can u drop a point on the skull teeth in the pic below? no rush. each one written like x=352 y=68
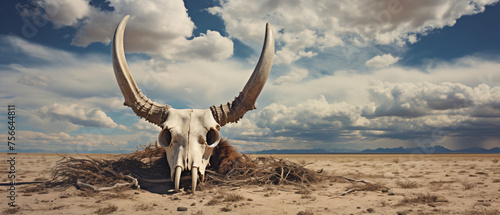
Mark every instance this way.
x=194 y=178
x=177 y=179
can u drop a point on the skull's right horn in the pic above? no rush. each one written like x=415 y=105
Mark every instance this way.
x=233 y=111
x=134 y=98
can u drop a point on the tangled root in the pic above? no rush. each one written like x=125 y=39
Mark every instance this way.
x=265 y=170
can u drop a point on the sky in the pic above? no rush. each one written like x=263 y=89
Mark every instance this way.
x=347 y=74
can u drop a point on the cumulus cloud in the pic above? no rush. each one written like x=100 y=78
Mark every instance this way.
x=79 y=143
x=297 y=74
x=380 y=61
x=60 y=12
x=404 y=111
x=143 y=125
x=304 y=28
x=210 y=45
x=418 y=99
x=66 y=13
x=156 y=28
x=78 y=115
x=48 y=138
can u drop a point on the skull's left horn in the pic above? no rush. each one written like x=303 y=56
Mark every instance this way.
x=233 y=111
x=134 y=98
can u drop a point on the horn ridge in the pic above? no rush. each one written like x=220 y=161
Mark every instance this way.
x=134 y=98
x=245 y=101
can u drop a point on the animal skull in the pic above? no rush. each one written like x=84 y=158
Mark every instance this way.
x=189 y=135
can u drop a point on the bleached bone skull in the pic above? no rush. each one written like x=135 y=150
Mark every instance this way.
x=189 y=135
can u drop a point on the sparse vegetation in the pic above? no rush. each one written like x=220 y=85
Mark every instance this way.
x=407 y=184
x=143 y=207
x=442 y=182
x=468 y=184
x=422 y=199
x=233 y=197
x=482 y=212
x=306 y=193
x=302 y=161
x=226 y=209
x=200 y=212
x=436 y=185
x=306 y=196
x=306 y=212
x=303 y=191
x=107 y=210
x=87 y=193
x=213 y=201
x=12 y=210
x=366 y=186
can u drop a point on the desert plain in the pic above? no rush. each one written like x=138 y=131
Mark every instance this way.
x=400 y=184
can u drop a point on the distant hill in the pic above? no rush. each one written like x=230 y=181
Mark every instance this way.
x=303 y=151
x=495 y=150
x=398 y=150
x=430 y=150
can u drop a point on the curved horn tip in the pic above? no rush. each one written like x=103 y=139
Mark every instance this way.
x=245 y=101
x=124 y=20
x=140 y=104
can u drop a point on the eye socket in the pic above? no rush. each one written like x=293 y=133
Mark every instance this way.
x=165 y=138
x=213 y=137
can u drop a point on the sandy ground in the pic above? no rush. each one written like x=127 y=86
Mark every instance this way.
x=453 y=184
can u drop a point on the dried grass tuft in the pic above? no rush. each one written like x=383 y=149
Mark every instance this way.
x=12 y=210
x=306 y=212
x=213 y=201
x=407 y=184
x=423 y=199
x=366 y=186
x=468 y=184
x=233 y=198
x=107 y=210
